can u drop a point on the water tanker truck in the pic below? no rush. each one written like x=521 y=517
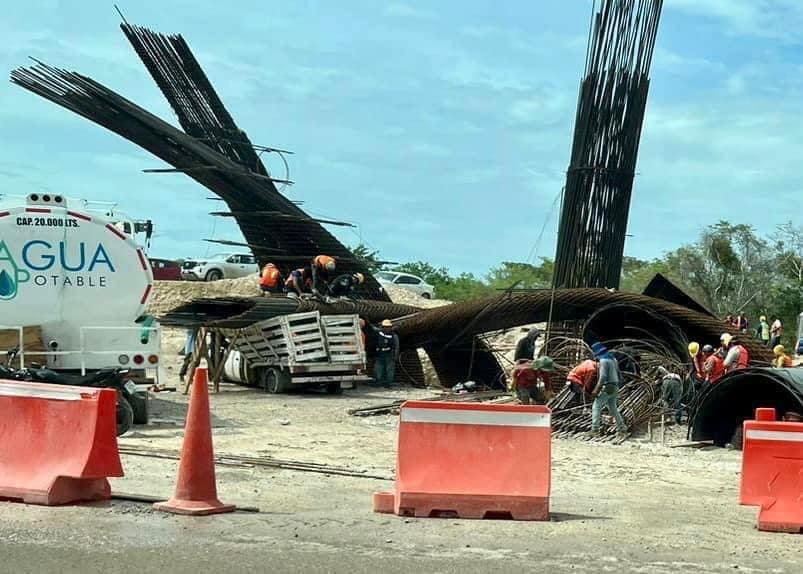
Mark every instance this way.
x=80 y=278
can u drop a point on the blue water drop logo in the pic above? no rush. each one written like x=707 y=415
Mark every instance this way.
x=7 y=285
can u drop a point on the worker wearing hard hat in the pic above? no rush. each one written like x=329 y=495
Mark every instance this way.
x=387 y=353
x=270 y=281
x=714 y=366
x=322 y=267
x=736 y=356
x=344 y=285
x=782 y=360
x=697 y=361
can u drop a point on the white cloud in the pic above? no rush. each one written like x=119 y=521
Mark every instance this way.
x=407 y=11
x=780 y=19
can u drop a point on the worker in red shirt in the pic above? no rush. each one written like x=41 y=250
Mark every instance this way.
x=582 y=378
x=713 y=366
x=532 y=380
x=698 y=361
x=271 y=279
x=736 y=356
x=322 y=266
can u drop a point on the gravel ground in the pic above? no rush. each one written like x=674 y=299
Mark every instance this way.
x=638 y=507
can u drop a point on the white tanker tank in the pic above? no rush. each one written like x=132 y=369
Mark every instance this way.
x=82 y=279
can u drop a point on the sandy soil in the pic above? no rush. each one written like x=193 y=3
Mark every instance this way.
x=639 y=507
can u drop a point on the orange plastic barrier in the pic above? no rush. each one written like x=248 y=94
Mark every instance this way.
x=772 y=472
x=471 y=461
x=58 y=443
x=196 y=487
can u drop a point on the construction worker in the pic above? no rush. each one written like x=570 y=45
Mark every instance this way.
x=713 y=366
x=698 y=362
x=387 y=352
x=298 y=282
x=344 y=285
x=525 y=347
x=270 y=280
x=671 y=392
x=764 y=331
x=782 y=360
x=737 y=356
x=582 y=378
x=606 y=391
x=776 y=332
x=322 y=266
x=532 y=382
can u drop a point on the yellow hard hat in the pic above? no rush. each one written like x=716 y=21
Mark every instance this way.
x=387 y=323
x=360 y=277
x=762 y=318
x=694 y=348
x=779 y=350
x=726 y=339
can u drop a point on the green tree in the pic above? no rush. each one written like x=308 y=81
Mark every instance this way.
x=729 y=268
x=521 y=275
x=369 y=257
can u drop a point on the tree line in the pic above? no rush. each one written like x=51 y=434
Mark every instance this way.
x=729 y=269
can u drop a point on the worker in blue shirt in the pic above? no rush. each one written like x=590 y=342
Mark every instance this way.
x=606 y=393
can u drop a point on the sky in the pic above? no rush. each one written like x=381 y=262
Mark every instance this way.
x=441 y=129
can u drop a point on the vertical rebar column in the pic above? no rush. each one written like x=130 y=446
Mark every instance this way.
x=610 y=113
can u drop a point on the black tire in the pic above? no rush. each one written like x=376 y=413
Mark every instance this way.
x=214 y=275
x=139 y=404
x=125 y=415
x=426 y=295
x=334 y=389
x=274 y=381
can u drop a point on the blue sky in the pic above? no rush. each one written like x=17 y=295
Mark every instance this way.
x=442 y=129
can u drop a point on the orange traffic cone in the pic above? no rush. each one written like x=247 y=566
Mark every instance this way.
x=196 y=491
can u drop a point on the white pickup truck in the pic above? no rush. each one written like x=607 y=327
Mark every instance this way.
x=300 y=349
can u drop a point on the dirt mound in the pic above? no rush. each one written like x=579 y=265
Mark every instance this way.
x=168 y=295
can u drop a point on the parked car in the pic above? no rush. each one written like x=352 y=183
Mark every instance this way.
x=223 y=266
x=406 y=281
x=166 y=270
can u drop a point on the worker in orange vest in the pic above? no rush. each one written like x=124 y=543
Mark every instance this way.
x=271 y=279
x=321 y=267
x=737 y=356
x=713 y=367
x=582 y=378
x=782 y=360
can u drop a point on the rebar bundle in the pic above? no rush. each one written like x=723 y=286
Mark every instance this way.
x=607 y=130
x=214 y=151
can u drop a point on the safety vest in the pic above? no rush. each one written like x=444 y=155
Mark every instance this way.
x=784 y=362
x=744 y=358
x=321 y=261
x=270 y=276
x=717 y=368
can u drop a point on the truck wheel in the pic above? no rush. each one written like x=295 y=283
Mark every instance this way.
x=125 y=415
x=275 y=381
x=334 y=389
x=426 y=295
x=214 y=275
